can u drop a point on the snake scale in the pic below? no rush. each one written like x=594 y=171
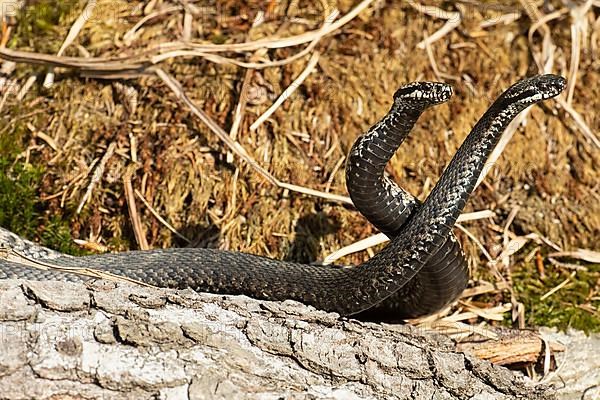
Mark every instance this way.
x=421 y=270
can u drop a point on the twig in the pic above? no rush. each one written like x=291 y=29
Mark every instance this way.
x=99 y=65
x=485 y=287
x=159 y=218
x=13 y=255
x=578 y=14
x=235 y=146
x=380 y=238
x=453 y=20
x=334 y=171
x=579 y=121
x=136 y=222
x=559 y=286
x=98 y=172
x=476 y=241
x=71 y=36
x=504 y=139
x=240 y=109
x=131 y=34
x=570 y=266
x=544 y=61
x=252 y=65
x=579 y=254
x=25 y=88
x=268 y=43
x=312 y=63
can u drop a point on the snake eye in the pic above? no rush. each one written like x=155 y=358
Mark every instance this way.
x=427 y=92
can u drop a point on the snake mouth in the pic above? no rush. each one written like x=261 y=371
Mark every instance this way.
x=430 y=93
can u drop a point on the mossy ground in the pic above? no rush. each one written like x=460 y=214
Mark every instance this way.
x=549 y=171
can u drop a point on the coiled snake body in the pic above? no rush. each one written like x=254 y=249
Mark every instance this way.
x=421 y=270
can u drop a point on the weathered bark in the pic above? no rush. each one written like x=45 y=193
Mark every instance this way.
x=577 y=376
x=106 y=340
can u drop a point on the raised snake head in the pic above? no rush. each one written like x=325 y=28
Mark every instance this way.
x=423 y=94
x=533 y=90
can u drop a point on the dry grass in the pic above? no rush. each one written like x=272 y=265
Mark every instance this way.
x=545 y=183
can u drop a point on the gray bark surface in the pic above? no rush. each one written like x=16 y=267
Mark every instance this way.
x=116 y=341
x=578 y=374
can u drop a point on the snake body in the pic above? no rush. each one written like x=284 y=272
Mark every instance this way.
x=419 y=271
x=388 y=206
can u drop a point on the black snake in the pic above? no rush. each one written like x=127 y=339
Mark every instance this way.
x=421 y=270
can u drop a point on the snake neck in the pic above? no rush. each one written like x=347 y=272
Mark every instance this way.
x=376 y=196
x=448 y=198
x=375 y=148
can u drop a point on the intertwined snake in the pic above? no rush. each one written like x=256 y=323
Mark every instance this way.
x=421 y=270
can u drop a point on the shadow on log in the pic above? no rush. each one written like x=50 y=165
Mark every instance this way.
x=107 y=340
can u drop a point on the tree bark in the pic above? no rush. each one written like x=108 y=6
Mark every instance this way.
x=117 y=341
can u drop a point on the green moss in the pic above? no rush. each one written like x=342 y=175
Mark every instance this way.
x=18 y=202
x=57 y=236
x=561 y=309
x=40 y=25
x=21 y=210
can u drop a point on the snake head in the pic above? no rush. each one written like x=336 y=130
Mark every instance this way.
x=423 y=94
x=532 y=90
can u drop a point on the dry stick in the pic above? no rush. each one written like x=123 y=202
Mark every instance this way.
x=136 y=222
x=92 y=64
x=39 y=134
x=138 y=62
x=6 y=32
x=125 y=67
x=485 y=287
x=334 y=171
x=287 y=93
x=25 y=88
x=217 y=59
x=235 y=146
x=4 y=98
x=476 y=241
x=514 y=245
x=159 y=218
x=577 y=27
x=71 y=36
x=505 y=19
x=502 y=143
x=97 y=175
x=453 y=20
x=438 y=74
x=240 y=109
x=20 y=258
x=579 y=121
x=382 y=238
x=579 y=254
x=267 y=43
x=540 y=22
x=559 y=264
x=473 y=311
x=559 y=286
x=574 y=62
x=131 y=34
